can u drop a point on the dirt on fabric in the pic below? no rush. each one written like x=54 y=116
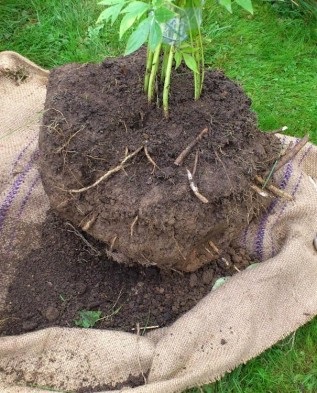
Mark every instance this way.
x=96 y=115
x=70 y=273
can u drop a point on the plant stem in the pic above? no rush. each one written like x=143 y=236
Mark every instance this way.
x=164 y=62
x=149 y=60
x=168 y=79
x=197 y=81
x=202 y=61
x=154 y=68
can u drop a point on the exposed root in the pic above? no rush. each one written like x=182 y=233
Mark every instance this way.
x=224 y=166
x=178 y=246
x=274 y=190
x=179 y=160
x=77 y=233
x=150 y=159
x=147 y=261
x=90 y=222
x=113 y=241
x=106 y=175
x=214 y=247
x=61 y=148
x=195 y=188
x=132 y=225
x=195 y=163
x=209 y=252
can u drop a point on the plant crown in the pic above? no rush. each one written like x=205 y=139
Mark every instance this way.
x=172 y=31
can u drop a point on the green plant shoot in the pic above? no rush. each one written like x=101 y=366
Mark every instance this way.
x=88 y=319
x=171 y=29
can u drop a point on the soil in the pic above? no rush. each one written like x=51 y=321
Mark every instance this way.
x=97 y=114
x=70 y=273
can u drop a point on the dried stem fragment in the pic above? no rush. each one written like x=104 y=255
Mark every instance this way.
x=146 y=327
x=259 y=191
x=179 y=160
x=274 y=190
x=291 y=153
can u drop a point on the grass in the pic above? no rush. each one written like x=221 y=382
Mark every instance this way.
x=273 y=56
x=289 y=367
x=275 y=59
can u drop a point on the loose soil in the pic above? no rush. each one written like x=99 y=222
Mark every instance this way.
x=70 y=273
x=96 y=115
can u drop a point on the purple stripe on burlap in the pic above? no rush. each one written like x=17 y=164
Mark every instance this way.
x=259 y=238
x=21 y=209
x=23 y=151
x=305 y=154
x=9 y=199
x=258 y=243
x=246 y=231
x=293 y=193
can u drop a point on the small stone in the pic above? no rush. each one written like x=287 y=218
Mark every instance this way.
x=28 y=326
x=223 y=341
x=193 y=280
x=51 y=313
x=160 y=290
x=208 y=276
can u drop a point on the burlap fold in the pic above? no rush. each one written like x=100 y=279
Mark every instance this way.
x=232 y=324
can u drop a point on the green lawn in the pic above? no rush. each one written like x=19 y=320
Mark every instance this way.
x=273 y=56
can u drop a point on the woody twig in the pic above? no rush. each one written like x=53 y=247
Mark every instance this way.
x=179 y=160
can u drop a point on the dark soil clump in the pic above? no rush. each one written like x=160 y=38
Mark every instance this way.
x=97 y=115
x=70 y=273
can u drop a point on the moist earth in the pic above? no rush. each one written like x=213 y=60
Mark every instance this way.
x=70 y=273
x=142 y=206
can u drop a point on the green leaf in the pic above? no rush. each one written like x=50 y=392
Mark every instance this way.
x=226 y=4
x=246 y=4
x=126 y=23
x=190 y=62
x=88 y=319
x=136 y=8
x=110 y=13
x=155 y=36
x=110 y=2
x=138 y=37
x=163 y=14
x=178 y=59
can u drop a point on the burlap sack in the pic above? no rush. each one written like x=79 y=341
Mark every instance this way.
x=234 y=323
